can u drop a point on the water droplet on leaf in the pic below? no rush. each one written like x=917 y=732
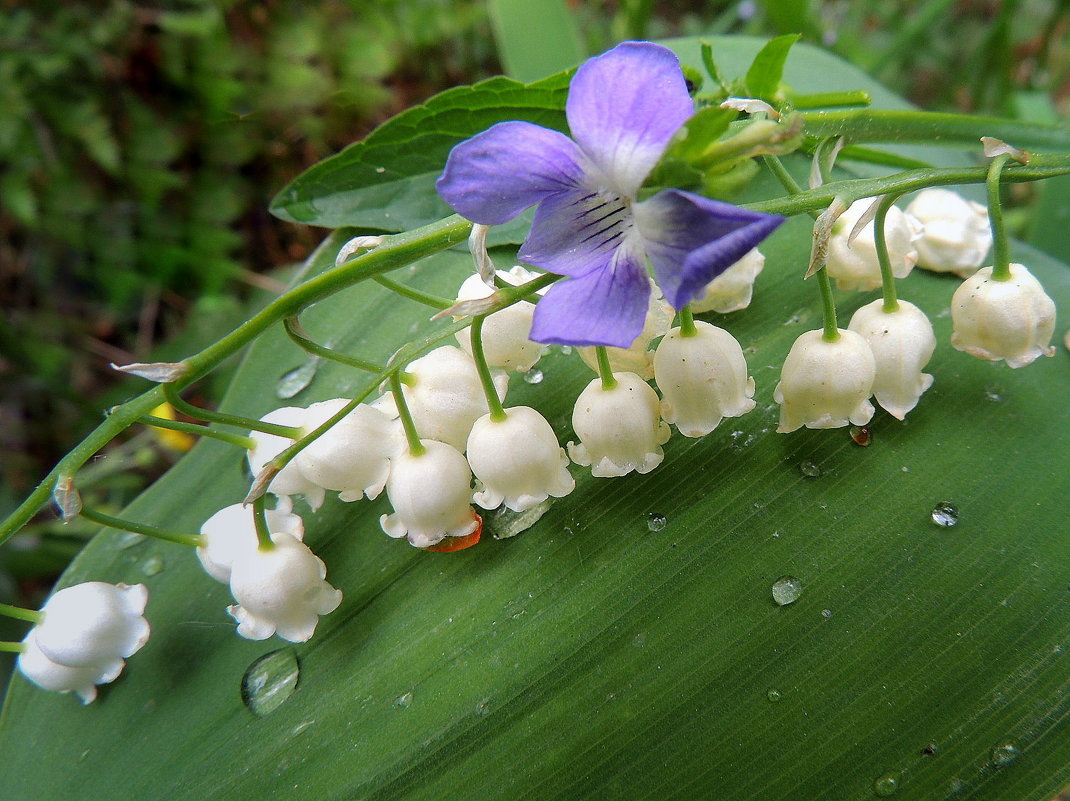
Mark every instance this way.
x=289 y=384
x=534 y=376
x=152 y=566
x=270 y=680
x=773 y=695
x=826 y=613
x=809 y=469
x=503 y=522
x=1005 y=754
x=403 y=701
x=945 y=514
x=786 y=590
x=128 y=539
x=886 y=785
x=656 y=522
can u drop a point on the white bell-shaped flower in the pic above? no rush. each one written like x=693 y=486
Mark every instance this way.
x=353 y=456
x=1003 y=320
x=290 y=480
x=638 y=358
x=902 y=343
x=620 y=429
x=431 y=494
x=855 y=266
x=955 y=236
x=702 y=378
x=281 y=591
x=230 y=533
x=732 y=289
x=94 y=624
x=518 y=460
x=444 y=395
x=505 y=333
x=826 y=384
x=49 y=675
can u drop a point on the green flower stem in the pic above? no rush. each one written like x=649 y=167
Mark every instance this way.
x=195 y=540
x=873 y=125
x=497 y=413
x=605 y=370
x=1001 y=248
x=857 y=97
x=891 y=303
x=13 y=647
x=426 y=298
x=198 y=430
x=871 y=155
x=196 y=412
x=412 y=436
x=776 y=166
x=300 y=338
x=397 y=251
x=812 y=200
x=828 y=306
x=17 y=612
x=687 y=322
x=263 y=533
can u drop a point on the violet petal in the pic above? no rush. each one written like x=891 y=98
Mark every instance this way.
x=575 y=232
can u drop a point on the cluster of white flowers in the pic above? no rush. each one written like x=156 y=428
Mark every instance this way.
x=825 y=384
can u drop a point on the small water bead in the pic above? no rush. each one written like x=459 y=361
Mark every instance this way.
x=809 y=469
x=270 y=680
x=566 y=350
x=1005 y=754
x=861 y=435
x=403 y=701
x=152 y=566
x=993 y=395
x=534 y=376
x=292 y=382
x=656 y=522
x=886 y=785
x=945 y=514
x=786 y=590
x=773 y=695
x=826 y=613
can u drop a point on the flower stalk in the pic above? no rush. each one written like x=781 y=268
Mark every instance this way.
x=605 y=369
x=198 y=430
x=263 y=532
x=18 y=613
x=1001 y=249
x=297 y=335
x=196 y=412
x=412 y=437
x=497 y=412
x=195 y=540
x=891 y=303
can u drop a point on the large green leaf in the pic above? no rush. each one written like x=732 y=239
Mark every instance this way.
x=595 y=657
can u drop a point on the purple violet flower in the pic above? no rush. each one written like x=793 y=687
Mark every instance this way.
x=623 y=109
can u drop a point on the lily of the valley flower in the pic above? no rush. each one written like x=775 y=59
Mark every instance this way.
x=902 y=342
x=230 y=533
x=505 y=332
x=638 y=357
x=854 y=265
x=280 y=591
x=431 y=493
x=956 y=235
x=826 y=384
x=49 y=675
x=732 y=289
x=623 y=109
x=703 y=379
x=1009 y=320
x=290 y=480
x=620 y=429
x=518 y=460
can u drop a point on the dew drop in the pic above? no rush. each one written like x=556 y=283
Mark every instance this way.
x=786 y=590
x=861 y=435
x=809 y=469
x=1004 y=754
x=534 y=376
x=566 y=350
x=152 y=566
x=993 y=395
x=656 y=522
x=128 y=539
x=945 y=514
x=270 y=680
x=403 y=701
x=826 y=613
x=483 y=708
x=773 y=695
x=886 y=785
x=289 y=384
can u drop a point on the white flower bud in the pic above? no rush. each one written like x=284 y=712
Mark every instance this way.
x=702 y=378
x=826 y=384
x=620 y=429
x=1003 y=320
x=49 y=675
x=732 y=289
x=230 y=533
x=855 y=266
x=956 y=235
x=638 y=358
x=280 y=591
x=518 y=460
x=431 y=494
x=445 y=396
x=94 y=624
x=902 y=343
x=505 y=332
x=353 y=456
x=290 y=480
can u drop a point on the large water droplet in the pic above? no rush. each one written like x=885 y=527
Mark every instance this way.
x=129 y=539
x=773 y=695
x=826 y=613
x=886 y=785
x=786 y=590
x=1005 y=754
x=809 y=469
x=483 y=708
x=152 y=566
x=289 y=384
x=403 y=701
x=945 y=514
x=534 y=376
x=270 y=680
x=503 y=522
x=656 y=522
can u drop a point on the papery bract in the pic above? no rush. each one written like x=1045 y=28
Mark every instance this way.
x=231 y=532
x=826 y=384
x=855 y=265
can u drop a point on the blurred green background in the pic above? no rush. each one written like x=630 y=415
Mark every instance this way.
x=140 y=144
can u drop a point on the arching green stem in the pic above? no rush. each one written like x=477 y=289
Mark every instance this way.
x=1001 y=249
x=605 y=370
x=687 y=322
x=236 y=420
x=497 y=413
x=828 y=307
x=301 y=339
x=891 y=303
x=145 y=529
x=426 y=298
x=263 y=533
x=198 y=431
x=412 y=436
x=17 y=612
